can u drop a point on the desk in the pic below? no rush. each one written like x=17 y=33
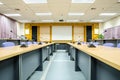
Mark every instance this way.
x=19 y=63
x=100 y=63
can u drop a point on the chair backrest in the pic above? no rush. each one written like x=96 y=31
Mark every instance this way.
x=96 y=43
x=7 y=44
x=34 y=42
x=109 y=44
x=29 y=43
x=118 y=45
x=23 y=43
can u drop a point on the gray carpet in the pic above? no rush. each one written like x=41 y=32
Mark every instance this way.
x=59 y=68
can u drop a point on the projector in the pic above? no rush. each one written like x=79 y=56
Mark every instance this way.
x=61 y=20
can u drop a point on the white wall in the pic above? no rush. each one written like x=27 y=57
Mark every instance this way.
x=111 y=23
x=20 y=29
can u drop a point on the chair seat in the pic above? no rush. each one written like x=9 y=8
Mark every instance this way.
x=7 y=44
x=29 y=43
x=118 y=45
x=109 y=44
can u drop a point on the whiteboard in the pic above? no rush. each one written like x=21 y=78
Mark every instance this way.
x=61 y=32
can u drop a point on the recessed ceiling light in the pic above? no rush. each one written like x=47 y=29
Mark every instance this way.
x=1 y=3
x=75 y=14
x=47 y=20
x=96 y=21
x=43 y=14
x=118 y=1
x=72 y=20
x=83 y=1
x=107 y=14
x=12 y=14
x=35 y=1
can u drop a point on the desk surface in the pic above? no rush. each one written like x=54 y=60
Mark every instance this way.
x=8 y=52
x=108 y=55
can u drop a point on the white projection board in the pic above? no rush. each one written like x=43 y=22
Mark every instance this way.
x=61 y=32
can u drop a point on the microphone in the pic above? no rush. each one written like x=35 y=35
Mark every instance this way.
x=91 y=45
x=40 y=43
x=79 y=43
x=23 y=45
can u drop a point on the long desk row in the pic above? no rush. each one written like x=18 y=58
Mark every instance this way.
x=19 y=63
x=100 y=63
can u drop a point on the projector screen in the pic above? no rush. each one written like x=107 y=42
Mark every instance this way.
x=61 y=32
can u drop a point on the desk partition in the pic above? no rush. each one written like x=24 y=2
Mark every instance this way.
x=96 y=67
x=8 y=70
x=20 y=64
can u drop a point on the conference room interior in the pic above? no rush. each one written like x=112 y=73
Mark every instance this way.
x=59 y=39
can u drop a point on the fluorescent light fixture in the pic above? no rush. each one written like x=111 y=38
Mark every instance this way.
x=96 y=20
x=83 y=1
x=43 y=14
x=12 y=14
x=35 y=1
x=1 y=3
x=72 y=20
x=47 y=20
x=107 y=14
x=75 y=14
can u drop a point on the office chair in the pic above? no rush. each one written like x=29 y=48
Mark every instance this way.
x=118 y=45
x=7 y=44
x=109 y=44
x=96 y=43
x=23 y=43
x=29 y=43
x=35 y=42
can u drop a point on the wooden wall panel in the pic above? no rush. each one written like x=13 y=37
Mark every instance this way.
x=95 y=26
x=78 y=33
x=28 y=27
x=44 y=33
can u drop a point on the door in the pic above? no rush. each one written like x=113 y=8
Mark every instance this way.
x=34 y=33
x=88 y=33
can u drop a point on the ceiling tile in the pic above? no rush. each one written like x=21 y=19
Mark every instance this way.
x=60 y=9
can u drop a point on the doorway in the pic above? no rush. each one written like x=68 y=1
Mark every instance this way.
x=34 y=33
x=88 y=33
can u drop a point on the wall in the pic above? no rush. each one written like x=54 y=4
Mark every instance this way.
x=44 y=33
x=78 y=33
x=111 y=23
x=20 y=29
x=75 y=34
x=6 y=26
